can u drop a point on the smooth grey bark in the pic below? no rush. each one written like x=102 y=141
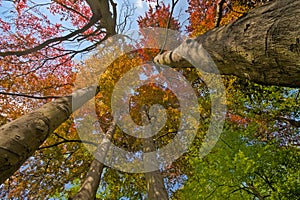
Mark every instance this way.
x=154 y=180
x=20 y=138
x=263 y=45
x=155 y=183
x=89 y=187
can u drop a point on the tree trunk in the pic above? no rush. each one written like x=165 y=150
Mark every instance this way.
x=20 y=138
x=154 y=180
x=262 y=46
x=89 y=187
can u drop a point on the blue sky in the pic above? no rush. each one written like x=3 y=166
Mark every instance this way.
x=142 y=7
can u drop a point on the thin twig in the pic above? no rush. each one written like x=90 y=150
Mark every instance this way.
x=168 y=25
x=29 y=96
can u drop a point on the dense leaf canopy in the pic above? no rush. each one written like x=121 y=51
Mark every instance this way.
x=42 y=46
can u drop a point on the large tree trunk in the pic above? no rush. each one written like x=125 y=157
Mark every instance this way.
x=89 y=187
x=20 y=138
x=154 y=180
x=262 y=46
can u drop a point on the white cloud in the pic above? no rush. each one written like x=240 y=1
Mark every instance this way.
x=142 y=6
x=139 y=4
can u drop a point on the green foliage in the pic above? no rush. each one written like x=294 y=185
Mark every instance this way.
x=242 y=167
x=116 y=185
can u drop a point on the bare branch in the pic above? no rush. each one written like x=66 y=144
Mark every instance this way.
x=290 y=121
x=174 y=2
x=68 y=141
x=128 y=11
x=29 y=96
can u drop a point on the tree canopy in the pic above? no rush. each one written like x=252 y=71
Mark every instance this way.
x=62 y=56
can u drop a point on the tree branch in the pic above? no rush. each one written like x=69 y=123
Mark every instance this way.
x=29 y=96
x=290 y=121
x=67 y=141
x=57 y=40
x=168 y=24
x=219 y=13
x=100 y=10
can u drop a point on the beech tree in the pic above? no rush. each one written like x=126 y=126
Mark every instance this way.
x=261 y=46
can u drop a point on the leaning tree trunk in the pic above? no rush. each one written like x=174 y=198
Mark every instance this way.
x=89 y=187
x=263 y=46
x=20 y=138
